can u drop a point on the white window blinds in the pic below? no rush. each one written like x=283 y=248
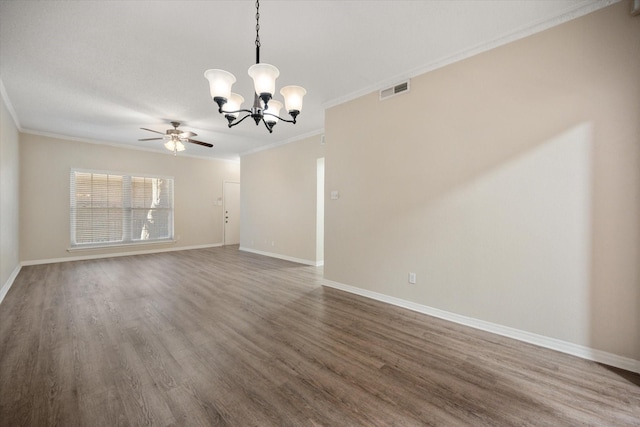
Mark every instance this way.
x=108 y=208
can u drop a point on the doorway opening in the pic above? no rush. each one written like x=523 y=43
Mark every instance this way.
x=320 y=213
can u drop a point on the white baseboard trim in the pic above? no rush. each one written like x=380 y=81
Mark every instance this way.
x=119 y=254
x=5 y=288
x=279 y=256
x=581 y=351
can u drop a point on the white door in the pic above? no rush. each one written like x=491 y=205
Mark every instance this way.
x=231 y=192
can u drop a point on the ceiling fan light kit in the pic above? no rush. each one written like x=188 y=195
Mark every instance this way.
x=174 y=146
x=264 y=109
x=175 y=138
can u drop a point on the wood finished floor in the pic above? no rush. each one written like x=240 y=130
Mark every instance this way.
x=221 y=337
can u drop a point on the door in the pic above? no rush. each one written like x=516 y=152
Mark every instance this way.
x=231 y=193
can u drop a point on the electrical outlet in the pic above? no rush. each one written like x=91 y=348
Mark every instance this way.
x=412 y=278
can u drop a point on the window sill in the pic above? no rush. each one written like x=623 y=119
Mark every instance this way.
x=119 y=245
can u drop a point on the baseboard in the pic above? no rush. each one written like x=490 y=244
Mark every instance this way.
x=119 y=254
x=5 y=288
x=279 y=256
x=583 y=352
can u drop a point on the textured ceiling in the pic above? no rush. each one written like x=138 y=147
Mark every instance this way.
x=101 y=70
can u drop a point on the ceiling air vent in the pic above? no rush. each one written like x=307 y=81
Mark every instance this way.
x=394 y=90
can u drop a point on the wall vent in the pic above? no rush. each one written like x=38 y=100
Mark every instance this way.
x=394 y=90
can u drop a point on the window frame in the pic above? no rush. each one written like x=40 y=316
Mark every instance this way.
x=127 y=210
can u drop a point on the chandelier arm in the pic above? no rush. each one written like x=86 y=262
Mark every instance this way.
x=280 y=118
x=239 y=121
x=243 y=110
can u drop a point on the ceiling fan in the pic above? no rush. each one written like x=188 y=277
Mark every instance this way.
x=175 y=138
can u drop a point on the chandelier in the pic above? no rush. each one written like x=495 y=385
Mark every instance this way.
x=264 y=109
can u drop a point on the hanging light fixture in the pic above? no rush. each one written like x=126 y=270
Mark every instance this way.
x=264 y=109
x=174 y=144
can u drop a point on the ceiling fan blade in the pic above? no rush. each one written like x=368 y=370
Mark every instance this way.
x=154 y=131
x=149 y=139
x=206 y=144
x=187 y=134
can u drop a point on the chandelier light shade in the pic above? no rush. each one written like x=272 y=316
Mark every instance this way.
x=293 y=98
x=272 y=112
x=264 y=79
x=234 y=103
x=220 y=83
x=264 y=109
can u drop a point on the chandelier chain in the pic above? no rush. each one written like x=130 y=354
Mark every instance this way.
x=257 y=23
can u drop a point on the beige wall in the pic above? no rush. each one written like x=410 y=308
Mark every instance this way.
x=508 y=182
x=9 y=200
x=278 y=200
x=45 y=166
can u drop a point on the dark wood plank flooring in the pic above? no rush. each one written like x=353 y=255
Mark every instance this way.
x=221 y=337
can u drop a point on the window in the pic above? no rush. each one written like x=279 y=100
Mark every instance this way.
x=113 y=209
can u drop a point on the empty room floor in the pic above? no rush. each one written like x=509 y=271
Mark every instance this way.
x=223 y=337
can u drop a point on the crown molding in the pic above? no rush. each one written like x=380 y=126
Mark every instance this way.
x=7 y=102
x=123 y=146
x=283 y=142
x=570 y=14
